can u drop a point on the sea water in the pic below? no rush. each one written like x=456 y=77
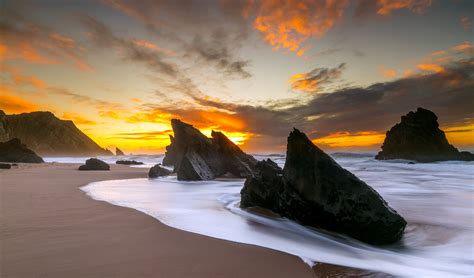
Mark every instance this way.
x=436 y=199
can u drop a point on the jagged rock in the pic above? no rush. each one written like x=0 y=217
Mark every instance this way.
x=118 y=151
x=15 y=151
x=94 y=164
x=45 y=134
x=129 y=162
x=418 y=137
x=158 y=171
x=197 y=157
x=5 y=166
x=314 y=190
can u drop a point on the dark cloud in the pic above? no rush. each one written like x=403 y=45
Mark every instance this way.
x=374 y=108
x=220 y=26
x=316 y=79
x=103 y=37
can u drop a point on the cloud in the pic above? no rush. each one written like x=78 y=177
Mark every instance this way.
x=217 y=52
x=387 y=72
x=15 y=104
x=103 y=37
x=343 y=112
x=288 y=24
x=22 y=39
x=386 y=7
x=78 y=119
x=431 y=67
x=465 y=47
x=175 y=22
x=314 y=80
x=465 y=22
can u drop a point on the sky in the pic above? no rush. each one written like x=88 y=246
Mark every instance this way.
x=343 y=72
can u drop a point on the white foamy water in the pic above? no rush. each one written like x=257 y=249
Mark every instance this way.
x=436 y=199
x=148 y=160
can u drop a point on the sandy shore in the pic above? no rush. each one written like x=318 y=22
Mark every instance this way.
x=50 y=228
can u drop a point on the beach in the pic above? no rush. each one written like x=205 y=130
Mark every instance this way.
x=50 y=228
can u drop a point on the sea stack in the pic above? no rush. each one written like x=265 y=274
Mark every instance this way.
x=197 y=157
x=315 y=191
x=418 y=137
x=118 y=152
x=15 y=151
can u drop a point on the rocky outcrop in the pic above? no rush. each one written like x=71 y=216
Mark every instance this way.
x=5 y=166
x=129 y=162
x=45 y=134
x=118 y=151
x=315 y=191
x=197 y=157
x=158 y=171
x=15 y=151
x=93 y=164
x=418 y=137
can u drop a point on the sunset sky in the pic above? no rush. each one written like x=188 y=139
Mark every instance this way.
x=341 y=71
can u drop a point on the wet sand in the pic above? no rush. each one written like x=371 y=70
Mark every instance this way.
x=50 y=228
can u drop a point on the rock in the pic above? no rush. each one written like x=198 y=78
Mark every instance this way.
x=94 y=164
x=129 y=162
x=118 y=151
x=197 y=157
x=418 y=137
x=45 y=134
x=15 y=151
x=315 y=191
x=5 y=166
x=158 y=171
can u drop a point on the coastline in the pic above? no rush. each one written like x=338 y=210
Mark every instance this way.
x=51 y=228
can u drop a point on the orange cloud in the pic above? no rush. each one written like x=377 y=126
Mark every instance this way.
x=78 y=119
x=288 y=24
x=431 y=68
x=301 y=82
x=387 y=72
x=464 y=47
x=14 y=104
x=386 y=7
x=345 y=139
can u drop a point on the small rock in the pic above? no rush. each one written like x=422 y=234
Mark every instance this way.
x=5 y=166
x=129 y=162
x=94 y=164
x=158 y=171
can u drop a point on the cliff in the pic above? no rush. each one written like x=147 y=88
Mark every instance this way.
x=48 y=135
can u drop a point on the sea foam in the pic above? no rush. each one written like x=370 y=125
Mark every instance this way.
x=436 y=199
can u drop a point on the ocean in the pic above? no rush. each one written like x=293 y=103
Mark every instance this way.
x=436 y=199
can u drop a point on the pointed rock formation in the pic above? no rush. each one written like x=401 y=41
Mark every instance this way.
x=94 y=164
x=418 y=137
x=118 y=151
x=45 y=134
x=15 y=151
x=314 y=190
x=197 y=157
x=158 y=171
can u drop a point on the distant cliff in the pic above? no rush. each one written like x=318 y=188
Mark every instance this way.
x=45 y=134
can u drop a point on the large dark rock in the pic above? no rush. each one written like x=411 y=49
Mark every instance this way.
x=15 y=151
x=45 y=134
x=158 y=171
x=418 y=137
x=197 y=157
x=94 y=164
x=315 y=191
x=129 y=162
x=5 y=166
